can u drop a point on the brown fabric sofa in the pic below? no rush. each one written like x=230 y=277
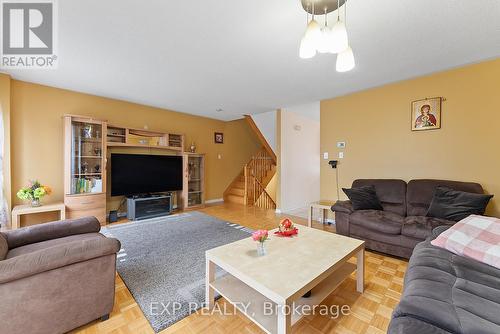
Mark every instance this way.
x=402 y=224
x=55 y=277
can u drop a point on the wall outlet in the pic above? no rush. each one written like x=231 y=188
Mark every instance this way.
x=219 y=156
x=341 y=144
x=325 y=156
x=341 y=155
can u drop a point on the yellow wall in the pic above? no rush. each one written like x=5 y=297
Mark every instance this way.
x=376 y=126
x=5 y=110
x=37 y=147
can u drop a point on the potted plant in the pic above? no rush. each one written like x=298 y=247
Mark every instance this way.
x=33 y=192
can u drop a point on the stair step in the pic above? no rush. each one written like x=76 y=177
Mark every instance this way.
x=237 y=191
x=235 y=199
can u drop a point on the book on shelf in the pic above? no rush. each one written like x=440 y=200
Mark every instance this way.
x=83 y=185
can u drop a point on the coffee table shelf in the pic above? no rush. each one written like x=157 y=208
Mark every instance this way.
x=238 y=293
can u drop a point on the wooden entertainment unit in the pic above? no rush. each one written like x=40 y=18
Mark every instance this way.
x=86 y=142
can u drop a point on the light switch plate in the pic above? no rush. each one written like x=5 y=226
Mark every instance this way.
x=341 y=144
x=341 y=155
x=325 y=155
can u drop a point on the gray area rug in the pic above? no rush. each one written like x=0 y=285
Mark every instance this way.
x=162 y=261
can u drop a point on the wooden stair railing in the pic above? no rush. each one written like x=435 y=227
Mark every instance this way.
x=261 y=197
x=254 y=173
x=261 y=137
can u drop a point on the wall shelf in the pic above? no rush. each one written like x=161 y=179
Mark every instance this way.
x=139 y=138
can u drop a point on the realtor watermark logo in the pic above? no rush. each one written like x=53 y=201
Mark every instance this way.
x=29 y=34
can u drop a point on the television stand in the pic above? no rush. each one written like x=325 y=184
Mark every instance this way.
x=149 y=206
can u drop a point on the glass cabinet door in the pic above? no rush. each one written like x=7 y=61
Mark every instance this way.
x=195 y=180
x=86 y=157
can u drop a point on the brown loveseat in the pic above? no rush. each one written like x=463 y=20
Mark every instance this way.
x=55 y=277
x=402 y=224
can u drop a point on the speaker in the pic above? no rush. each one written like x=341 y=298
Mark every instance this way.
x=113 y=216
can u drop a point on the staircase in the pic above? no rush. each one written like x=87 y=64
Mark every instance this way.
x=249 y=187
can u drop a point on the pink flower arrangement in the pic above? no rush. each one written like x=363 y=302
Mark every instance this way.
x=260 y=235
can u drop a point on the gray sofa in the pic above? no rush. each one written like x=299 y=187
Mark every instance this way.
x=55 y=277
x=447 y=293
x=402 y=224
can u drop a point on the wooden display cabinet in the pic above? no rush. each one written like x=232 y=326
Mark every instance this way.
x=193 y=194
x=85 y=167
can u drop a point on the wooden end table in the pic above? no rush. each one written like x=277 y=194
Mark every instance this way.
x=280 y=279
x=19 y=210
x=324 y=206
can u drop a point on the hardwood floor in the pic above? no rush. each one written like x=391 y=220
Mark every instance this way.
x=370 y=311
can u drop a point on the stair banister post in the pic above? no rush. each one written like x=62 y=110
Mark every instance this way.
x=245 y=195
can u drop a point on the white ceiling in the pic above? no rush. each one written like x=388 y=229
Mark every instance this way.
x=196 y=56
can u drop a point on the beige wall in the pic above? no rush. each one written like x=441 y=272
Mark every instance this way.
x=376 y=126
x=299 y=158
x=5 y=111
x=37 y=148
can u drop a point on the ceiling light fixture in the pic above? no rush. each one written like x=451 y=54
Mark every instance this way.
x=345 y=59
x=327 y=39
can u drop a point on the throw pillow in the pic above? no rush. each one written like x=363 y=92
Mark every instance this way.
x=476 y=237
x=363 y=198
x=456 y=205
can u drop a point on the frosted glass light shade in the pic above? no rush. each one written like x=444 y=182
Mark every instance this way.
x=306 y=50
x=313 y=34
x=338 y=40
x=326 y=35
x=345 y=60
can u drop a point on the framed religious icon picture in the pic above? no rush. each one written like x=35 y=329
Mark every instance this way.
x=426 y=114
x=219 y=138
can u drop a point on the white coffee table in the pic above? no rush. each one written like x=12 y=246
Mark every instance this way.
x=313 y=261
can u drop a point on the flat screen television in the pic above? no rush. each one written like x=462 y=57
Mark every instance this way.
x=135 y=174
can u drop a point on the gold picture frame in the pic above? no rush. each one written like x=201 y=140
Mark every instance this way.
x=426 y=114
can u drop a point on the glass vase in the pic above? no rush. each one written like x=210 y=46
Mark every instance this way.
x=261 y=249
x=35 y=202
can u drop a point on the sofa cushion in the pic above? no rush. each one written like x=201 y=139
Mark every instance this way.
x=451 y=292
x=399 y=240
x=420 y=193
x=391 y=193
x=421 y=227
x=375 y=220
x=456 y=205
x=363 y=198
x=394 y=244
x=51 y=243
x=4 y=247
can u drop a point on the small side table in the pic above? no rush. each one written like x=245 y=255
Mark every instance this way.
x=19 y=210
x=324 y=206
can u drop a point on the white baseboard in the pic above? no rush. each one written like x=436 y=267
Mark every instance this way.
x=216 y=200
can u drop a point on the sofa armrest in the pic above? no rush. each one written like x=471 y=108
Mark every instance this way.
x=54 y=230
x=56 y=257
x=343 y=206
